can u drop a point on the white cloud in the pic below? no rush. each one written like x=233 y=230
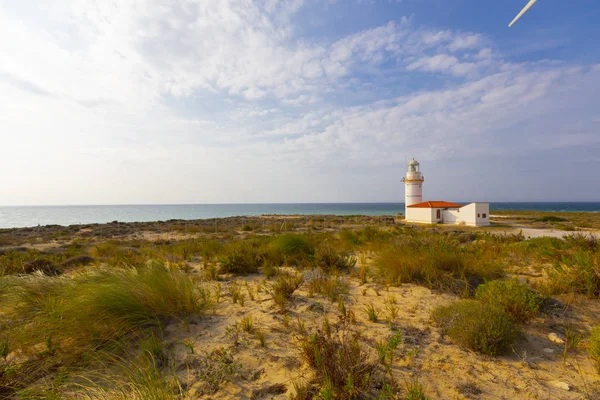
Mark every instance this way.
x=443 y=63
x=227 y=101
x=469 y=41
x=491 y=115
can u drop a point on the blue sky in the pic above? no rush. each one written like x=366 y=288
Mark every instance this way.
x=232 y=101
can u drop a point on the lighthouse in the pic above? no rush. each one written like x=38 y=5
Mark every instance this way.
x=438 y=212
x=413 y=185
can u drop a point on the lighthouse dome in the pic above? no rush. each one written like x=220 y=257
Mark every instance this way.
x=413 y=162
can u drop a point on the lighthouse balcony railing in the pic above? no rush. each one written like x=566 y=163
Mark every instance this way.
x=415 y=179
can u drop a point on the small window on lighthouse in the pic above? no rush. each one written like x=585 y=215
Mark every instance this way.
x=484 y=215
x=478 y=215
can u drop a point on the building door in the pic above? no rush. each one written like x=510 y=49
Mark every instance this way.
x=439 y=214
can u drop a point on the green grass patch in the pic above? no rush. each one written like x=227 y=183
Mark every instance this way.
x=550 y=218
x=295 y=249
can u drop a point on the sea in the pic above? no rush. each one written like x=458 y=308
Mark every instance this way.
x=28 y=216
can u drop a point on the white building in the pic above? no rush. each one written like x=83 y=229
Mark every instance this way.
x=438 y=212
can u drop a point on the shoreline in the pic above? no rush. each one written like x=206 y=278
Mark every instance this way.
x=528 y=223
x=32 y=216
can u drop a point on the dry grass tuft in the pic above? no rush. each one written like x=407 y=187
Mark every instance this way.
x=438 y=263
x=65 y=323
x=283 y=289
x=340 y=362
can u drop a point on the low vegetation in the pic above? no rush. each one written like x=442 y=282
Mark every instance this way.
x=341 y=363
x=296 y=249
x=550 y=218
x=61 y=324
x=108 y=312
x=328 y=285
x=577 y=272
x=594 y=348
x=283 y=289
x=477 y=326
x=516 y=298
x=438 y=262
x=244 y=257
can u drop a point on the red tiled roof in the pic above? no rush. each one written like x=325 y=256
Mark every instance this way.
x=435 y=204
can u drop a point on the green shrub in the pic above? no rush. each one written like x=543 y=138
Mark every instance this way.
x=477 y=326
x=244 y=257
x=291 y=244
x=594 y=349
x=294 y=248
x=515 y=298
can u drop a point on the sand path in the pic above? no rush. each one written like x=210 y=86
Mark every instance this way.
x=529 y=232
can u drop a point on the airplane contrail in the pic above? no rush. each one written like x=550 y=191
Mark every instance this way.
x=523 y=11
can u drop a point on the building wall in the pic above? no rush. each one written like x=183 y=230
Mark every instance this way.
x=475 y=214
x=451 y=216
x=421 y=215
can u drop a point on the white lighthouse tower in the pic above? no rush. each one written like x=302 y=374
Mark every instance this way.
x=413 y=185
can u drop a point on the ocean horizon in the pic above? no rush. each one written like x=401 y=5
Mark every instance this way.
x=27 y=216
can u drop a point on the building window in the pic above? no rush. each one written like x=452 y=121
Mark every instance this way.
x=478 y=215
x=439 y=214
x=484 y=215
